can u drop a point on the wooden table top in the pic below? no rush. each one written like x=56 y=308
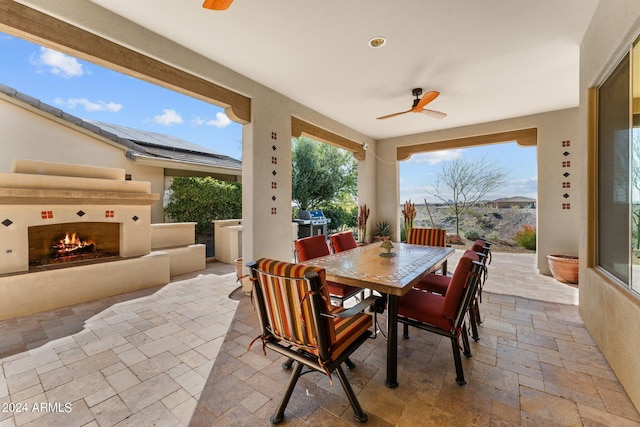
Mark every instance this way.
x=395 y=275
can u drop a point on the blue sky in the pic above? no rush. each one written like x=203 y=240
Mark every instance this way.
x=418 y=174
x=95 y=93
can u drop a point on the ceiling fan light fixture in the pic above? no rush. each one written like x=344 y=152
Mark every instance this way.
x=377 y=42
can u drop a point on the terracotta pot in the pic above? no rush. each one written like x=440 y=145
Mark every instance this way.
x=238 y=265
x=564 y=268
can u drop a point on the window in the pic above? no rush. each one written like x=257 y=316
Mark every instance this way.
x=618 y=163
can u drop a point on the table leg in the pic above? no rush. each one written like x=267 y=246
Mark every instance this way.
x=392 y=342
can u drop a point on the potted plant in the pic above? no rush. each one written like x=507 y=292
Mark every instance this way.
x=381 y=231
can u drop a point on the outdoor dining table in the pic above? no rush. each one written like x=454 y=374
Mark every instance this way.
x=392 y=274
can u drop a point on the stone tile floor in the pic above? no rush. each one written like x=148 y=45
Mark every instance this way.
x=177 y=355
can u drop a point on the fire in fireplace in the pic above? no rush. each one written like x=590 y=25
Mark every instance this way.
x=72 y=242
x=72 y=246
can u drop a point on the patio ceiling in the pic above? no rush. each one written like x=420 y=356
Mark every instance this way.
x=490 y=60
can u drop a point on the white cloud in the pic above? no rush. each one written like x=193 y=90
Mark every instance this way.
x=72 y=103
x=436 y=157
x=168 y=117
x=220 y=121
x=59 y=64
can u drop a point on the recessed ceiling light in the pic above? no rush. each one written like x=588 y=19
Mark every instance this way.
x=377 y=42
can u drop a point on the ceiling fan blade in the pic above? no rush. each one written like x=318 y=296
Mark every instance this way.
x=434 y=114
x=217 y=4
x=388 y=116
x=427 y=98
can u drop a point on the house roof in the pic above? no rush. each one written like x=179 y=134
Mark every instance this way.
x=515 y=199
x=142 y=146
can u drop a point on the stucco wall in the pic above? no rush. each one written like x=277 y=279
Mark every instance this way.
x=557 y=228
x=609 y=311
x=27 y=134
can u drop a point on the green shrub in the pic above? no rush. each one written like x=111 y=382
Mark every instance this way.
x=526 y=237
x=472 y=234
x=497 y=215
x=202 y=200
x=341 y=215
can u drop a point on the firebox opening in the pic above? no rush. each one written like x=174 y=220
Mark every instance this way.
x=72 y=242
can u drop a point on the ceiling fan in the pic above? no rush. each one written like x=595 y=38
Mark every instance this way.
x=418 y=105
x=217 y=4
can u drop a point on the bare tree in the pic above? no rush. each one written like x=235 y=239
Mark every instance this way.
x=635 y=180
x=461 y=183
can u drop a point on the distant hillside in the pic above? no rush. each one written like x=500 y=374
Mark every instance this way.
x=497 y=225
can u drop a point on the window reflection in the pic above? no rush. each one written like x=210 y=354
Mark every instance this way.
x=635 y=167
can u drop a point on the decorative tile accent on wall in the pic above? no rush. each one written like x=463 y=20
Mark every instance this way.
x=81 y=213
x=274 y=184
x=7 y=222
x=135 y=218
x=109 y=214
x=47 y=214
x=566 y=164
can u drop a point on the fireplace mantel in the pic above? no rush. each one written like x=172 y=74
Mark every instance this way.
x=32 y=196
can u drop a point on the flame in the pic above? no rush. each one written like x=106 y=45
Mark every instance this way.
x=70 y=243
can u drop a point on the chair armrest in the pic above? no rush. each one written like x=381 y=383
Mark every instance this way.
x=350 y=312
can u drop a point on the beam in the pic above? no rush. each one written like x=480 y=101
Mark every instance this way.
x=300 y=127
x=524 y=137
x=32 y=25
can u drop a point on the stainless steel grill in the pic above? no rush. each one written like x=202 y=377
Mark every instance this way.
x=312 y=223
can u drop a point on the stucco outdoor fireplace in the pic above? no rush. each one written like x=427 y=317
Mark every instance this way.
x=71 y=233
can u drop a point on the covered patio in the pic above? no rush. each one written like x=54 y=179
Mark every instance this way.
x=163 y=357
x=183 y=357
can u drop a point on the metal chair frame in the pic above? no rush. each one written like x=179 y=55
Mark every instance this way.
x=323 y=362
x=458 y=327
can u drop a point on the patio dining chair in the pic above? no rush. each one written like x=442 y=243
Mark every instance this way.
x=444 y=315
x=297 y=321
x=343 y=241
x=428 y=237
x=316 y=246
x=439 y=284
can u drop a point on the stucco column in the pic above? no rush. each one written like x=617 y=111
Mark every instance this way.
x=388 y=189
x=266 y=182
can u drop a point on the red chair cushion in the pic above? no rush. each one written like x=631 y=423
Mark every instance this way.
x=342 y=291
x=456 y=287
x=439 y=283
x=343 y=241
x=424 y=307
x=432 y=282
x=312 y=247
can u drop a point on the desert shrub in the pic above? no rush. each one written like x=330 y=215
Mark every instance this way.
x=472 y=234
x=497 y=215
x=526 y=237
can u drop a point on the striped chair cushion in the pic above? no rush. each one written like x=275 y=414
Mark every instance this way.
x=427 y=236
x=289 y=308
